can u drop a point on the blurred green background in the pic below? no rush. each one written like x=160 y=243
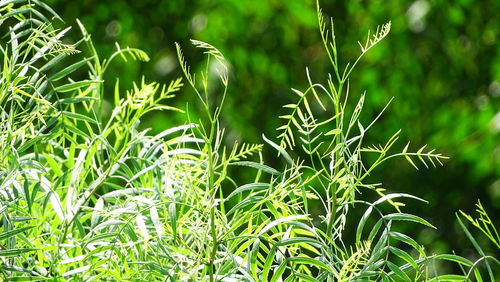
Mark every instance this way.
x=441 y=62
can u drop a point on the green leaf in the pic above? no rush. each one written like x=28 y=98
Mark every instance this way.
x=404 y=255
x=54 y=165
x=411 y=161
x=334 y=132
x=75 y=100
x=449 y=277
x=77 y=270
x=305 y=277
x=454 y=258
x=394 y=268
x=279 y=272
x=258 y=166
x=408 y=217
x=11 y=233
x=279 y=149
x=28 y=278
x=307 y=260
x=15 y=252
x=280 y=221
x=75 y=85
x=77 y=116
x=69 y=69
x=248 y=187
x=47 y=7
x=408 y=240
x=173 y=218
x=362 y=223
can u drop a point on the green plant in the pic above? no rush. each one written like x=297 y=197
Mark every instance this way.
x=91 y=196
x=486 y=226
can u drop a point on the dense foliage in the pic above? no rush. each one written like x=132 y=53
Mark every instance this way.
x=442 y=65
x=88 y=194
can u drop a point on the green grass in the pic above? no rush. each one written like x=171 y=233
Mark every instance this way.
x=87 y=194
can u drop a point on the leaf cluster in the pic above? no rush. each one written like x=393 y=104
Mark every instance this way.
x=87 y=196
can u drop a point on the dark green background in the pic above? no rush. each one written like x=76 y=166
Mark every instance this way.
x=441 y=62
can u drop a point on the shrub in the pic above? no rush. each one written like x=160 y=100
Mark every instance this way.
x=87 y=195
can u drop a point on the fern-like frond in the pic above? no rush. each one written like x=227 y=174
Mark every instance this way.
x=382 y=150
x=209 y=49
x=222 y=66
x=241 y=152
x=328 y=40
x=184 y=66
x=300 y=117
x=372 y=40
x=353 y=264
x=134 y=53
x=424 y=157
x=484 y=223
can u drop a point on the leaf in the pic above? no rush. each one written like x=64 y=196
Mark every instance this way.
x=311 y=261
x=279 y=149
x=394 y=268
x=53 y=164
x=77 y=270
x=404 y=255
x=182 y=128
x=153 y=212
x=55 y=202
x=290 y=241
x=258 y=166
x=27 y=278
x=476 y=245
x=408 y=217
x=379 y=34
x=75 y=85
x=305 y=277
x=248 y=187
x=47 y=7
x=141 y=224
x=449 y=277
x=408 y=240
x=77 y=116
x=362 y=223
x=11 y=233
x=454 y=258
x=69 y=69
x=98 y=209
x=298 y=92
x=335 y=131
x=134 y=53
x=15 y=252
x=279 y=272
x=172 y=211
x=75 y=100
x=280 y=221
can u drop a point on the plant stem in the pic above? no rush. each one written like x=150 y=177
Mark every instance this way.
x=212 y=192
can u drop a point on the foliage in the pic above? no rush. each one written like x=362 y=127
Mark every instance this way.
x=484 y=224
x=442 y=64
x=87 y=196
